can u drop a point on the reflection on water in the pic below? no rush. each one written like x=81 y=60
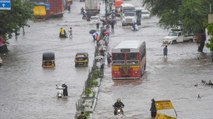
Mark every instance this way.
x=127 y=82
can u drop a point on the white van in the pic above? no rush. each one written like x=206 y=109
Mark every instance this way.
x=145 y=14
x=176 y=36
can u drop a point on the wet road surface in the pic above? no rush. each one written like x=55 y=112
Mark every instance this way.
x=28 y=91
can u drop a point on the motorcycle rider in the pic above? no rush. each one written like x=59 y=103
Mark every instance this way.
x=134 y=26
x=65 y=92
x=82 y=10
x=82 y=116
x=62 y=32
x=118 y=105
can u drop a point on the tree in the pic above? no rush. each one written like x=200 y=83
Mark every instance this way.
x=210 y=31
x=12 y=20
x=190 y=15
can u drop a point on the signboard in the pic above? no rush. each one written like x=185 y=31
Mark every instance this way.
x=164 y=104
x=5 y=4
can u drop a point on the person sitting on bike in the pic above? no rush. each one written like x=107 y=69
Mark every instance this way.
x=82 y=10
x=119 y=105
x=62 y=32
x=82 y=116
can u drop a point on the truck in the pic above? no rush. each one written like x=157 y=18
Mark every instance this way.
x=92 y=7
x=48 y=8
x=128 y=18
x=177 y=36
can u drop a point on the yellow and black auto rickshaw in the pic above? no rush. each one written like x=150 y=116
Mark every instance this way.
x=48 y=60
x=165 y=110
x=81 y=59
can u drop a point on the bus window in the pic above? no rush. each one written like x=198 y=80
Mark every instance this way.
x=118 y=56
x=132 y=56
x=143 y=53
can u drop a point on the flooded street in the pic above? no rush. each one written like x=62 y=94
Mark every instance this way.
x=29 y=92
x=165 y=79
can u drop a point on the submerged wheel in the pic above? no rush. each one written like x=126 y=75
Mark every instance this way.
x=174 y=42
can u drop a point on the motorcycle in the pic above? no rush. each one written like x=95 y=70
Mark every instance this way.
x=118 y=111
x=62 y=35
x=59 y=89
x=134 y=27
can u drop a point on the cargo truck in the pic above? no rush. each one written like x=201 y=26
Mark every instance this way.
x=48 y=8
x=92 y=7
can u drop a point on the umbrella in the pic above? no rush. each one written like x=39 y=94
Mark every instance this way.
x=92 y=31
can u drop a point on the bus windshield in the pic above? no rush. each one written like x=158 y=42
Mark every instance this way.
x=118 y=57
x=129 y=14
x=129 y=9
x=132 y=56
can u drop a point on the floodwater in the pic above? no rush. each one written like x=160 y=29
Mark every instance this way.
x=173 y=78
x=28 y=91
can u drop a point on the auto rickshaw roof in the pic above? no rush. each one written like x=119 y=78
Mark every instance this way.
x=48 y=56
x=82 y=53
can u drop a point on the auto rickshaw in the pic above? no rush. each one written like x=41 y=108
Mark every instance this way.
x=165 y=110
x=81 y=59
x=48 y=60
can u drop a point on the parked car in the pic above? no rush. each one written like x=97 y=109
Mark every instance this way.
x=81 y=59
x=177 y=36
x=145 y=14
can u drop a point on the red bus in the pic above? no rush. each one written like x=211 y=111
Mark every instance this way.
x=129 y=60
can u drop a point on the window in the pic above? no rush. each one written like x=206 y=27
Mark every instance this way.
x=172 y=34
x=118 y=56
x=129 y=14
x=132 y=56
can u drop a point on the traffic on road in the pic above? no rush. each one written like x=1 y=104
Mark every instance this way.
x=45 y=73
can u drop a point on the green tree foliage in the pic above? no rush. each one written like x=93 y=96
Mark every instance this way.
x=210 y=31
x=166 y=10
x=191 y=15
x=12 y=20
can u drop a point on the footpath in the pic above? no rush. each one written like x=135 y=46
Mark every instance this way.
x=89 y=96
